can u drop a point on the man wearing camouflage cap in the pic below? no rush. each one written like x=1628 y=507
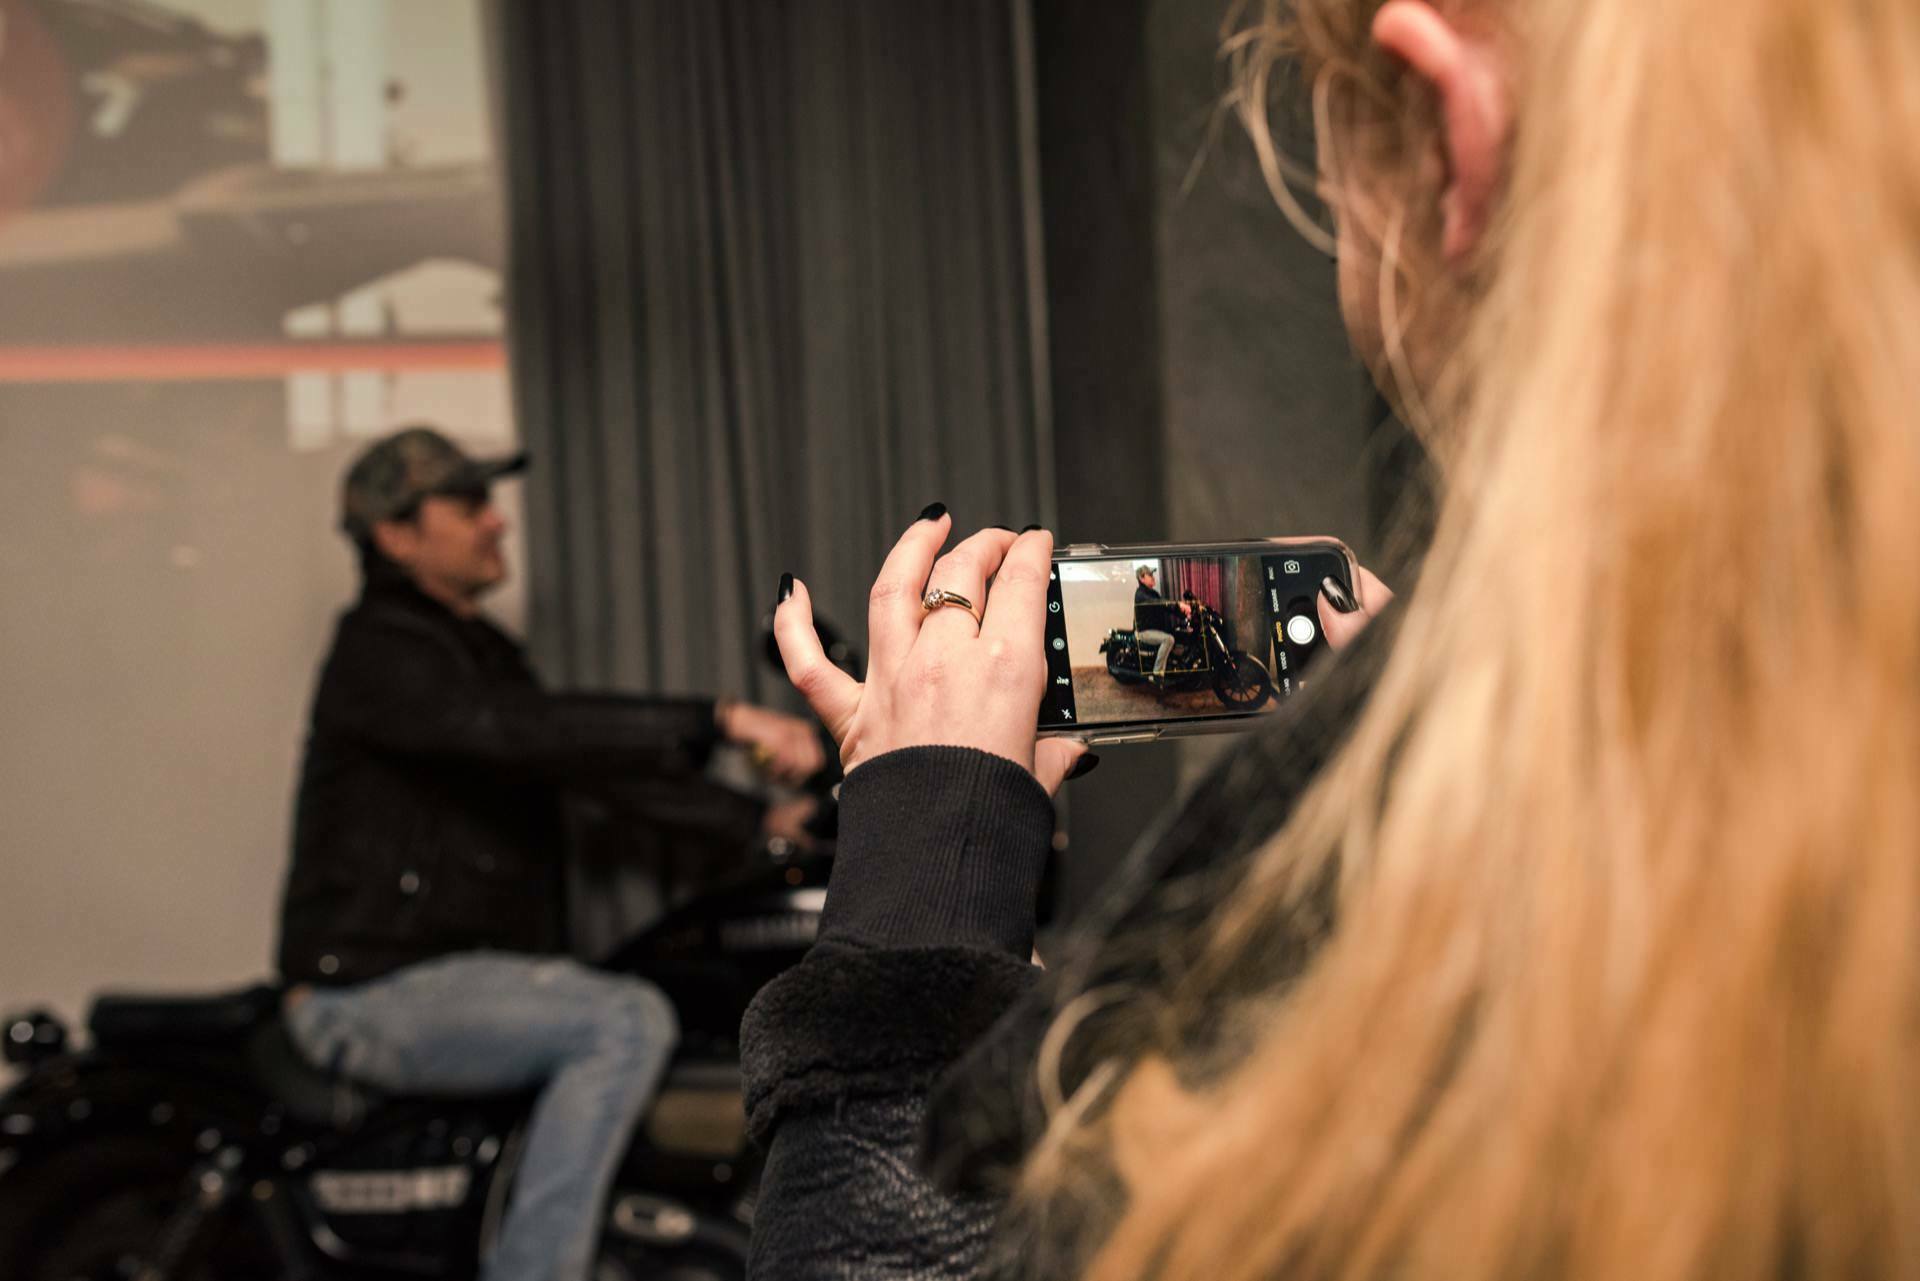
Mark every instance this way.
x=422 y=930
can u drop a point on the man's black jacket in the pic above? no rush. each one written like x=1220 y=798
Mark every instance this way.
x=1153 y=612
x=428 y=819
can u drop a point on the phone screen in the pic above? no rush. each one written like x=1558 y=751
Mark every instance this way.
x=1176 y=634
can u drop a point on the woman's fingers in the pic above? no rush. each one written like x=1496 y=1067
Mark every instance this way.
x=1342 y=618
x=831 y=693
x=1339 y=628
x=1374 y=594
x=893 y=606
x=1054 y=759
x=966 y=570
x=1017 y=610
x=935 y=685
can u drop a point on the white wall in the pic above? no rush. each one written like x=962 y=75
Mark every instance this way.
x=1097 y=598
x=157 y=650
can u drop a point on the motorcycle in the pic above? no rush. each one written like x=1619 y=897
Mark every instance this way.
x=1203 y=658
x=190 y=1141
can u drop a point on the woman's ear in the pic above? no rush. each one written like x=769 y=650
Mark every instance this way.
x=1477 y=117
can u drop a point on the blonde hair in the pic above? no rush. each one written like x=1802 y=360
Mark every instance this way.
x=1626 y=981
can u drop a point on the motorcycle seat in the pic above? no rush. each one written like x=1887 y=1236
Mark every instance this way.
x=312 y=1095
x=119 y=1019
x=248 y=1021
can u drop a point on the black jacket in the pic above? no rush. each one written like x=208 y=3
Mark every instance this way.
x=428 y=819
x=1153 y=612
x=890 y=1074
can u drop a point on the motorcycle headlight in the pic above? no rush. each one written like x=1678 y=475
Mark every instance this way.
x=34 y=1036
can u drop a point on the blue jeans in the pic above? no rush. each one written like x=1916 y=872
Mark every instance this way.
x=1163 y=641
x=490 y=1022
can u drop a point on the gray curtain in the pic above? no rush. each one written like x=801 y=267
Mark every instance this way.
x=769 y=297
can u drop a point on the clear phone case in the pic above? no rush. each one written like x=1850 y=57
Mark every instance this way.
x=1148 y=641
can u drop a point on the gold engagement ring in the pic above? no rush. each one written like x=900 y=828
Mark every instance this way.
x=940 y=598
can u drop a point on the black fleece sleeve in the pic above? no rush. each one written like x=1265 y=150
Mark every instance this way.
x=924 y=944
x=939 y=847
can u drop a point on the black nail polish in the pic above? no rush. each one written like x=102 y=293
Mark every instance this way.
x=1084 y=766
x=786 y=589
x=1029 y=529
x=934 y=511
x=1009 y=528
x=1337 y=595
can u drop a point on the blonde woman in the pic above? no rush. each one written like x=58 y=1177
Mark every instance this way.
x=1591 y=951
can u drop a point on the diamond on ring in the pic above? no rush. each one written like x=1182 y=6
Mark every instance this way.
x=939 y=598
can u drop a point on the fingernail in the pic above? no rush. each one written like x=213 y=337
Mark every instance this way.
x=1084 y=766
x=934 y=511
x=1029 y=529
x=786 y=589
x=1009 y=528
x=1337 y=595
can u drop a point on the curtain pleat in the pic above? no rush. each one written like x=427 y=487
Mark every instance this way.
x=768 y=299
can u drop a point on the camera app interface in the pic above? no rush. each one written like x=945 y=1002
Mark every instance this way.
x=1143 y=639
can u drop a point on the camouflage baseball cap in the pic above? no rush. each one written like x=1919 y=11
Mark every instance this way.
x=395 y=472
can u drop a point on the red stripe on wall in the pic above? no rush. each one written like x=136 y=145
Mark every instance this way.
x=193 y=362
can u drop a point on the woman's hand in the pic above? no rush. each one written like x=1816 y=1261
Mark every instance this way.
x=1341 y=617
x=939 y=678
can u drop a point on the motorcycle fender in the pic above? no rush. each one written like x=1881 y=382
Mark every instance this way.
x=77 y=1095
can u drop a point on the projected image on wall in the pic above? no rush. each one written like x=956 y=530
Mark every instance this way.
x=247 y=189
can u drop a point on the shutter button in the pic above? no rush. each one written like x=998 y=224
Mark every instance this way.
x=329 y=964
x=409 y=883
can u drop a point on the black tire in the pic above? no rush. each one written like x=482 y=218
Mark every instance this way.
x=90 y=1210
x=1244 y=686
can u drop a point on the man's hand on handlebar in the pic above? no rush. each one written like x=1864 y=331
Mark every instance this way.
x=787 y=821
x=785 y=748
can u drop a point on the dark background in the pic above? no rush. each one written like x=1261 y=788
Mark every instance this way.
x=1203 y=386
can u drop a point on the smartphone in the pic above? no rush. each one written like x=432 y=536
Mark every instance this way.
x=1155 y=640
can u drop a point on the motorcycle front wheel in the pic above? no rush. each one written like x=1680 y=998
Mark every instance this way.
x=93 y=1210
x=1243 y=685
